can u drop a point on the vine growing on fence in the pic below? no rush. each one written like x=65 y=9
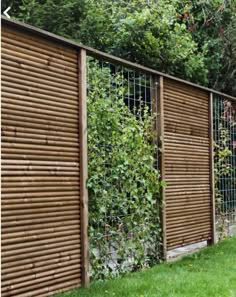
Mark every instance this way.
x=224 y=164
x=124 y=186
x=222 y=169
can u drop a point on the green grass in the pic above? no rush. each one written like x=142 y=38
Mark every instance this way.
x=208 y=273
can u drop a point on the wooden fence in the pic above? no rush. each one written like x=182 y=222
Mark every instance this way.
x=44 y=199
x=44 y=161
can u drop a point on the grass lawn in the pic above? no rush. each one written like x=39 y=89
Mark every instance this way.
x=208 y=273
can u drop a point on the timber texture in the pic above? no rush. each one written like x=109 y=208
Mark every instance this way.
x=187 y=164
x=41 y=190
x=44 y=160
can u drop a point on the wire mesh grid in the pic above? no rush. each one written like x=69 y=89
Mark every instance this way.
x=123 y=214
x=224 y=126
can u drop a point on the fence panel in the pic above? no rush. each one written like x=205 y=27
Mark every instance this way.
x=224 y=127
x=187 y=164
x=124 y=229
x=41 y=242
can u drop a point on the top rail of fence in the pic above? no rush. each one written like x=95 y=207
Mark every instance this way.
x=99 y=54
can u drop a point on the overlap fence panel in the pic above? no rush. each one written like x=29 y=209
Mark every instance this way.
x=41 y=244
x=187 y=164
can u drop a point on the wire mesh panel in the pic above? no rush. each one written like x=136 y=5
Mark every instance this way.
x=123 y=182
x=225 y=163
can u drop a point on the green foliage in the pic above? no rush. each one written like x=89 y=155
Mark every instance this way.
x=123 y=184
x=224 y=122
x=227 y=77
x=194 y=40
x=147 y=34
x=57 y=16
x=222 y=165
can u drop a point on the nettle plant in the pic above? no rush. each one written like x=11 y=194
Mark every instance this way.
x=123 y=184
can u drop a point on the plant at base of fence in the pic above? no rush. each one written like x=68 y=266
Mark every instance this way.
x=222 y=168
x=124 y=186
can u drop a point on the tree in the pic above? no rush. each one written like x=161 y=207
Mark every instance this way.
x=194 y=40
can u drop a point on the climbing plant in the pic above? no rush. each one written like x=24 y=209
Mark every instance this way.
x=225 y=170
x=123 y=184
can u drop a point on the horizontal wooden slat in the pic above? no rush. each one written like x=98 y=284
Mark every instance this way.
x=11 y=75
x=185 y=150
x=46 y=61
x=198 y=140
x=27 y=93
x=27 y=101
x=187 y=130
x=51 y=172
x=34 y=209
x=16 y=82
x=191 y=201
x=184 y=100
x=21 y=221
x=10 y=44
x=40 y=163
x=41 y=109
x=39 y=278
x=53 y=251
x=186 y=212
x=55 y=256
x=192 y=218
x=33 y=70
x=28 y=41
x=37 y=235
x=41 y=222
x=183 y=230
x=187 y=157
x=187 y=198
x=30 y=226
x=178 y=237
x=44 y=193
x=56 y=214
x=39 y=243
x=200 y=121
x=36 y=89
x=32 y=205
x=19 y=142
x=188 y=240
x=48 y=287
x=39 y=134
x=67 y=74
x=41 y=266
x=12 y=118
x=182 y=88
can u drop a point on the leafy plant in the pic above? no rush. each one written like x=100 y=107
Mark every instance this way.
x=224 y=169
x=124 y=228
x=194 y=40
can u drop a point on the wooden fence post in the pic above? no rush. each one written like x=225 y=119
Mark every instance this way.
x=82 y=85
x=212 y=177
x=157 y=87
